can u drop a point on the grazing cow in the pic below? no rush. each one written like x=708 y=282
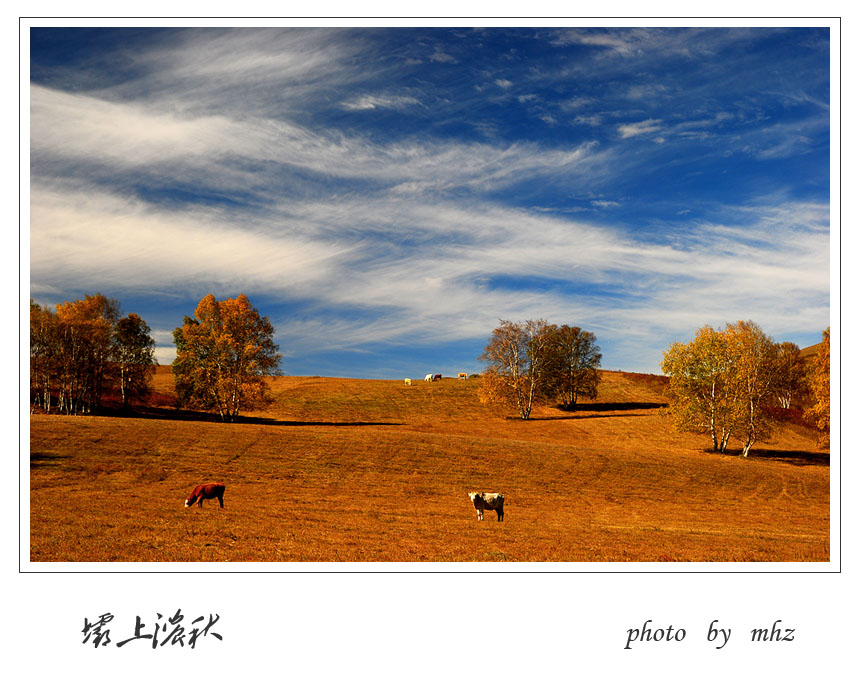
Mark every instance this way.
x=428 y=378
x=437 y=377
x=407 y=381
x=488 y=501
x=462 y=375
x=205 y=491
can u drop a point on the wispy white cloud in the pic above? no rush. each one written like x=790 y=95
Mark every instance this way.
x=622 y=43
x=129 y=137
x=381 y=102
x=647 y=126
x=440 y=56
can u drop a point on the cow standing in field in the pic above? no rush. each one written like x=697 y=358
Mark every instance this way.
x=488 y=501
x=428 y=378
x=205 y=491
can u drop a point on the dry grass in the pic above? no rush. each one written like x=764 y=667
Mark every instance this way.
x=362 y=470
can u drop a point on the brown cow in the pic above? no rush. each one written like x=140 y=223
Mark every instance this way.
x=205 y=491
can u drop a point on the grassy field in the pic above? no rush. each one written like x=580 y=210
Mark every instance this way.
x=365 y=470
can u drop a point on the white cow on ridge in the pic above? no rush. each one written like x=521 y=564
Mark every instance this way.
x=428 y=378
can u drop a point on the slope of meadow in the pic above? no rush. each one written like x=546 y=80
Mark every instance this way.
x=366 y=470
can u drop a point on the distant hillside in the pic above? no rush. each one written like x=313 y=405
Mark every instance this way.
x=315 y=398
x=810 y=352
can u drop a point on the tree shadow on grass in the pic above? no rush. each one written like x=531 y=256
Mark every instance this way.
x=46 y=459
x=613 y=406
x=177 y=414
x=584 y=416
x=585 y=410
x=799 y=458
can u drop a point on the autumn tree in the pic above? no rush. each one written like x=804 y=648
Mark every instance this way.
x=574 y=359
x=133 y=355
x=85 y=327
x=74 y=353
x=701 y=387
x=819 y=385
x=790 y=372
x=756 y=379
x=723 y=382
x=518 y=358
x=223 y=355
x=44 y=354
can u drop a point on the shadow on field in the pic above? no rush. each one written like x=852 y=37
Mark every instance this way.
x=584 y=410
x=45 y=459
x=581 y=417
x=797 y=457
x=618 y=406
x=151 y=413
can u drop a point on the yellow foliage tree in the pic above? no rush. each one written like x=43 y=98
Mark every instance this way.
x=722 y=382
x=223 y=355
x=700 y=386
x=756 y=380
x=819 y=385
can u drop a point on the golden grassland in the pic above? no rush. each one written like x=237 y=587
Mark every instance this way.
x=364 y=470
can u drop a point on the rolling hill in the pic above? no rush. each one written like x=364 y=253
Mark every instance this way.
x=374 y=470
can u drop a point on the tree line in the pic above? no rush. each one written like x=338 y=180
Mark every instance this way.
x=84 y=349
x=724 y=382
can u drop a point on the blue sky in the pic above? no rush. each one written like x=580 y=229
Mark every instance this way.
x=386 y=195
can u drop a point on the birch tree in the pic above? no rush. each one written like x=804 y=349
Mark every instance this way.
x=723 y=382
x=790 y=374
x=518 y=358
x=756 y=379
x=700 y=386
x=75 y=355
x=84 y=345
x=223 y=355
x=134 y=357
x=819 y=385
x=575 y=357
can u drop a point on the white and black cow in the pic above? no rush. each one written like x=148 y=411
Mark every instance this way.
x=488 y=501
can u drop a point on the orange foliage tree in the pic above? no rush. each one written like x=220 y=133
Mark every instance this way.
x=223 y=355
x=819 y=385
x=79 y=352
